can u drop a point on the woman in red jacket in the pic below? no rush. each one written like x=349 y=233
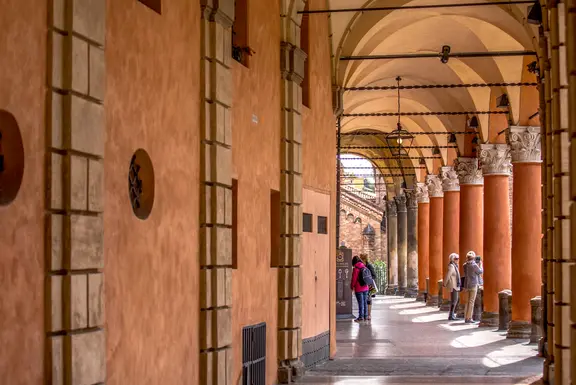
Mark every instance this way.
x=361 y=291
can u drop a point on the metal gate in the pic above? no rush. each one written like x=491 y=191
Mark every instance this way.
x=254 y=354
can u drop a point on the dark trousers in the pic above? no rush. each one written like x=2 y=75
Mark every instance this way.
x=454 y=299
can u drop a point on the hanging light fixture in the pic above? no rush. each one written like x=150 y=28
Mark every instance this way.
x=445 y=54
x=436 y=151
x=535 y=13
x=399 y=141
x=422 y=161
x=475 y=140
x=473 y=123
x=502 y=101
x=452 y=138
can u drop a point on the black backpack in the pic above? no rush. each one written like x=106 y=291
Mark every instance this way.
x=365 y=277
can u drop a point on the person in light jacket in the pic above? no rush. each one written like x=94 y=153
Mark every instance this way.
x=472 y=271
x=361 y=291
x=452 y=283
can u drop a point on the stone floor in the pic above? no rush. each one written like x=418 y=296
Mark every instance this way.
x=409 y=343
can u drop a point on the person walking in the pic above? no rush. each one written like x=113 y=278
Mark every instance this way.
x=360 y=288
x=452 y=283
x=477 y=314
x=472 y=272
x=372 y=289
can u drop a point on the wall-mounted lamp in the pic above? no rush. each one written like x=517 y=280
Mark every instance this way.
x=502 y=101
x=533 y=68
x=452 y=138
x=436 y=151
x=535 y=13
x=422 y=161
x=445 y=54
x=475 y=140
x=473 y=123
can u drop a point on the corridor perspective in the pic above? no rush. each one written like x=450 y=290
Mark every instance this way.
x=409 y=343
x=184 y=185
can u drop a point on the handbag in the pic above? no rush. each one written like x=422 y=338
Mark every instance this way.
x=462 y=282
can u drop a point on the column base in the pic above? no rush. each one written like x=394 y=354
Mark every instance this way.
x=401 y=291
x=391 y=290
x=489 y=319
x=421 y=296
x=411 y=292
x=445 y=305
x=289 y=371
x=432 y=300
x=519 y=330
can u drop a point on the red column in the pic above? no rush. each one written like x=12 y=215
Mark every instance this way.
x=423 y=239
x=451 y=223
x=526 y=228
x=497 y=256
x=436 y=213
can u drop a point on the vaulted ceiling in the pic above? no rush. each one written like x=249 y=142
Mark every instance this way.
x=465 y=29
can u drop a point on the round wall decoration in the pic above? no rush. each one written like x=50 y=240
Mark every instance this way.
x=141 y=184
x=11 y=158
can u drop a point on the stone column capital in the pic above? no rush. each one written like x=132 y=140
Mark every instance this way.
x=495 y=159
x=391 y=209
x=401 y=203
x=525 y=144
x=411 y=199
x=422 y=193
x=468 y=170
x=450 y=180
x=434 y=185
x=292 y=61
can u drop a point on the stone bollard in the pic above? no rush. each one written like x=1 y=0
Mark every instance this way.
x=440 y=292
x=504 y=309
x=536 y=332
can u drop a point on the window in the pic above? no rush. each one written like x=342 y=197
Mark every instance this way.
x=274 y=227
x=155 y=5
x=234 y=223
x=322 y=225
x=241 y=52
x=307 y=223
x=305 y=46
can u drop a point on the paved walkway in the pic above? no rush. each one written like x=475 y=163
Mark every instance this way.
x=409 y=343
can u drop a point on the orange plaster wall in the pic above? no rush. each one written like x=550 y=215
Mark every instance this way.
x=151 y=269
x=529 y=97
x=496 y=122
x=256 y=160
x=315 y=266
x=319 y=132
x=22 y=91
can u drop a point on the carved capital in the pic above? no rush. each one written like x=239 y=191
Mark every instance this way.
x=292 y=61
x=411 y=199
x=434 y=185
x=391 y=209
x=468 y=171
x=401 y=203
x=450 y=180
x=525 y=144
x=495 y=159
x=422 y=193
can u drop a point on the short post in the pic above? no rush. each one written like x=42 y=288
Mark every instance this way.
x=536 y=304
x=504 y=309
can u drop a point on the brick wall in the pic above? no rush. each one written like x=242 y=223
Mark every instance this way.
x=353 y=221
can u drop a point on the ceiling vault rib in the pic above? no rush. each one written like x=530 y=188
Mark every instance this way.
x=426 y=6
x=439 y=55
x=401 y=157
x=437 y=113
x=427 y=86
x=411 y=133
x=380 y=147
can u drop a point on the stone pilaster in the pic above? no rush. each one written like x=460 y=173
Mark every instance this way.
x=216 y=181
x=292 y=70
x=412 y=263
x=402 y=244
x=75 y=132
x=392 y=216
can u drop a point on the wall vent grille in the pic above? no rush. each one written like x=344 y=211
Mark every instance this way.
x=254 y=354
